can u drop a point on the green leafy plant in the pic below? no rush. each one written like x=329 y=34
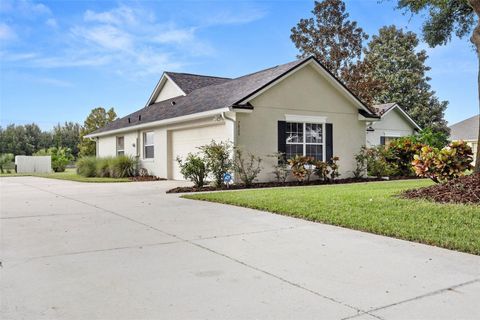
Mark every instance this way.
x=87 y=166
x=361 y=164
x=194 y=169
x=333 y=164
x=322 y=170
x=280 y=167
x=247 y=168
x=103 y=167
x=123 y=166
x=217 y=156
x=302 y=167
x=376 y=161
x=445 y=164
x=61 y=157
x=5 y=160
x=400 y=152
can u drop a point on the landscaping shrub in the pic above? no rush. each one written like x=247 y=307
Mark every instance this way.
x=446 y=164
x=87 y=166
x=194 y=169
x=60 y=157
x=327 y=171
x=431 y=138
x=247 y=169
x=302 y=167
x=333 y=164
x=103 y=167
x=122 y=166
x=280 y=168
x=361 y=163
x=5 y=160
x=376 y=162
x=217 y=157
x=400 y=153
x=322 y=170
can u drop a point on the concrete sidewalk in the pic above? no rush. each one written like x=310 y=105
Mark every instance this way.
x=129 y=251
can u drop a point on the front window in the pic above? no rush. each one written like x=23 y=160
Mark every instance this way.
x=120 y=146
x=304 y=139
x=148 y=149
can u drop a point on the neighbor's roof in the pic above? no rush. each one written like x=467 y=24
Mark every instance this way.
x=208 y=94
x=465 y=130
x=382 y=108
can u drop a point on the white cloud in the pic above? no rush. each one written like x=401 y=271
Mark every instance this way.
x=51 y=22
x=24 y=8
x=105 y=36
x=6 y=32
x=128 y=40
x=118 y=16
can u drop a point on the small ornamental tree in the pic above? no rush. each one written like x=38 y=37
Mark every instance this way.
x=194 y=169
x=247 y=168
x=446 y=164
x=218 y=159
x=280 y=167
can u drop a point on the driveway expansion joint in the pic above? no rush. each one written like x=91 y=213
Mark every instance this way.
x=426 y=295
x=191 y=242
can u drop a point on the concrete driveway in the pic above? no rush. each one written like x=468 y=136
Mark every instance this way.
x=129 y=251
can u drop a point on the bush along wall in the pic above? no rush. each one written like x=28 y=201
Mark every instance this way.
x=112 y=167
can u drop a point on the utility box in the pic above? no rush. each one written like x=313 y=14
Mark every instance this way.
x=33 y=164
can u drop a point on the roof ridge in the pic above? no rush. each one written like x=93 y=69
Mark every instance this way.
x=270 y=68
x=197 y=75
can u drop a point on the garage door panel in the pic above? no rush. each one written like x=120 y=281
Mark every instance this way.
x=188 y=141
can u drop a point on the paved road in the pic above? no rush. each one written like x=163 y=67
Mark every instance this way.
x=129 y=251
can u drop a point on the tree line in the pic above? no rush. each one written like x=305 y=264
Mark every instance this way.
x=29 y=139
x=391 y=67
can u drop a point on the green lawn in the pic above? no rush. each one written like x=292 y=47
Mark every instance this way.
x=371 y=207
x=69 y=174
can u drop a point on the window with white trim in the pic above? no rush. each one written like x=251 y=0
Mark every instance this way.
x=148 y=147
x=305 y=139
x=120 y=146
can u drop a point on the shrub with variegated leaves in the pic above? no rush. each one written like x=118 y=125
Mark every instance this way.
x=445 y=164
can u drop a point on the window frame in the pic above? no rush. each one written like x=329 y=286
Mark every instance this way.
x=123 y=147
x=144 y=138
x=304 y=143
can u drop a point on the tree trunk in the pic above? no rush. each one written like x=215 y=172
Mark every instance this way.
x=476 y=41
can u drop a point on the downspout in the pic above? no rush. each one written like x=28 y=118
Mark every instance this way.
x=225 y=117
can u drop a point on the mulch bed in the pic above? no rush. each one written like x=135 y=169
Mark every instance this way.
x=461 y=190
x=272 y=185
x=146 y=178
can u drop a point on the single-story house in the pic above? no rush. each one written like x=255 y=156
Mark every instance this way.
x=394 y=123
x=294 y=108
x=466 y=130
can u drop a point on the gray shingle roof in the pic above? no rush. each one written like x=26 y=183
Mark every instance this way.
x=190 y=82
x=465 y=130
x=225 y=93
x=382 y=108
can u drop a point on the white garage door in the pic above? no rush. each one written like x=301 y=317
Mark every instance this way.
x=185 y=141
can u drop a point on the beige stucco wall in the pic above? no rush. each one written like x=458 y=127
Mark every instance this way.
x=161 y=164
x=305 y=92
x=392 y=124
x=169 y=90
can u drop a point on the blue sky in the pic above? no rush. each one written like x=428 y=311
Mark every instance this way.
x=60 y=59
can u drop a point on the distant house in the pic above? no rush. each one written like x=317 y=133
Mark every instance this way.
x=298 y=108
x=466 y=130
x=394 y=123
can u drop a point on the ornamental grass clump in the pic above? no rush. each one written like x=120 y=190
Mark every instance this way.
x=87 y=166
